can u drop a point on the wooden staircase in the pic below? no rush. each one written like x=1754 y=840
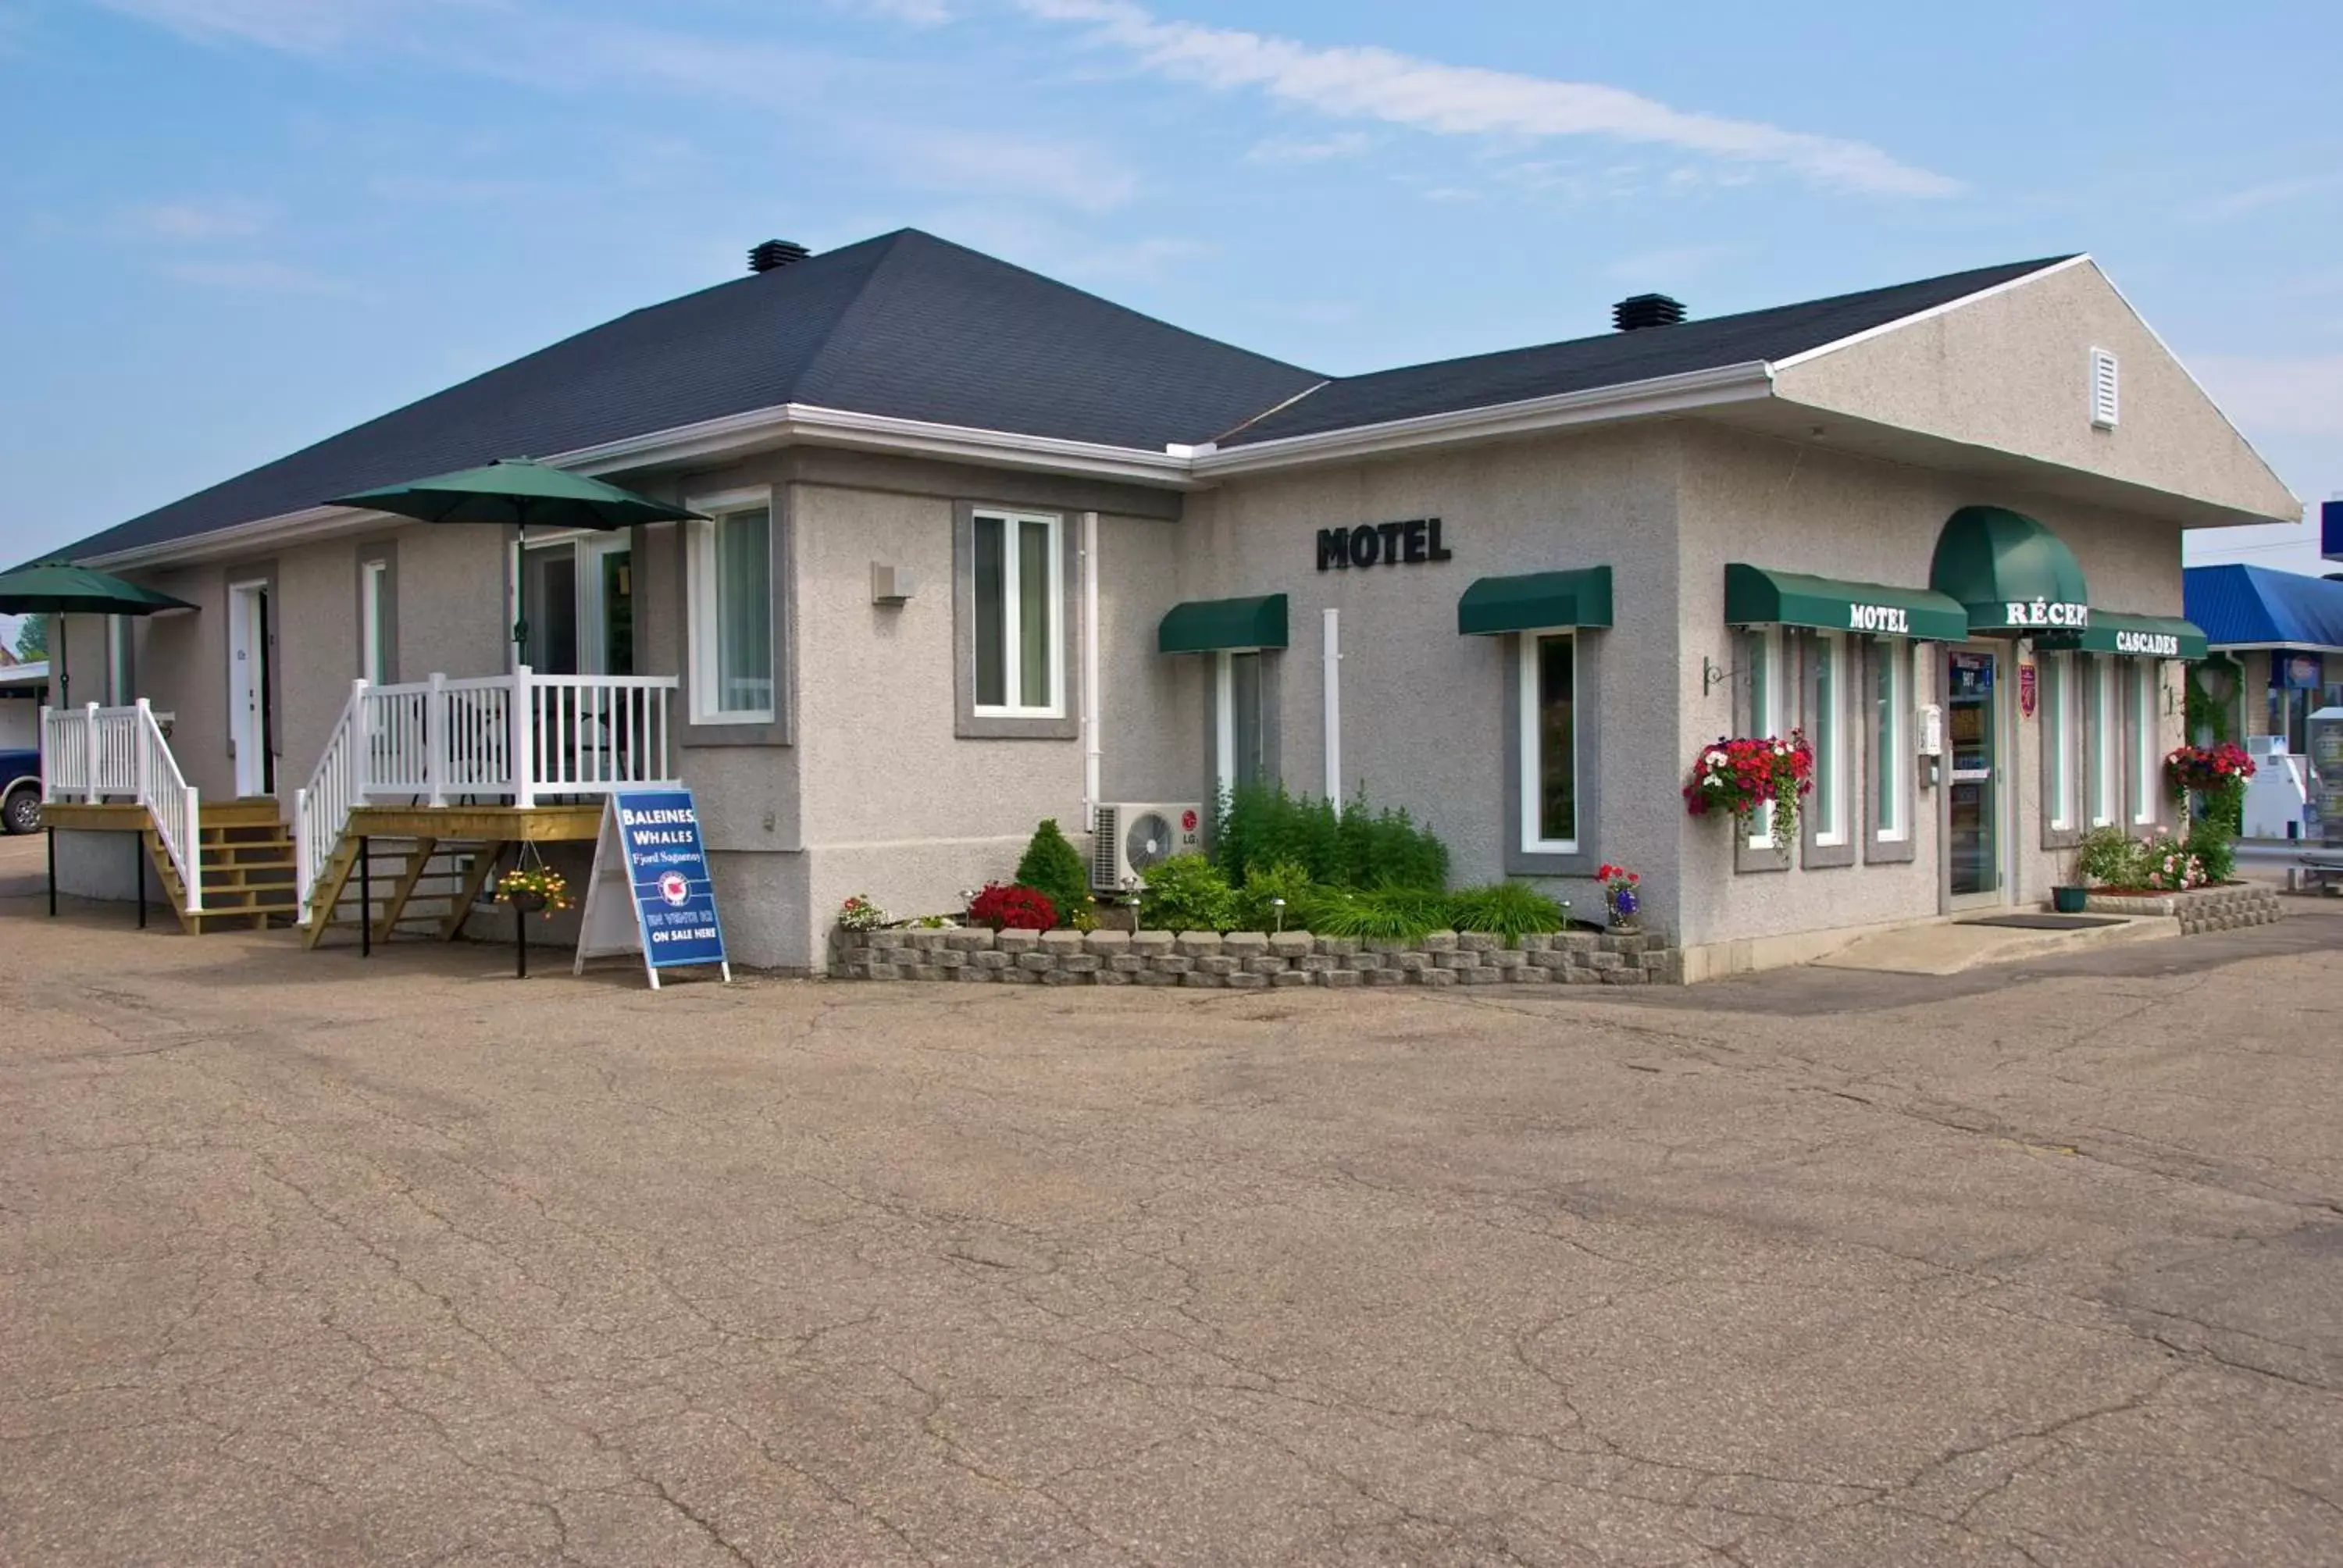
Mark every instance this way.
x=418 y=886
x=245 y=859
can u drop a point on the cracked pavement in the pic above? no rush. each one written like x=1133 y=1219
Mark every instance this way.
x=311 y=1258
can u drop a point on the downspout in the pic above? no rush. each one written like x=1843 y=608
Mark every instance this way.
x=1090 y=747
x=1333 y=654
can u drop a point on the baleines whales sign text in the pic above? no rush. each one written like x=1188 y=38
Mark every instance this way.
x=653 y=838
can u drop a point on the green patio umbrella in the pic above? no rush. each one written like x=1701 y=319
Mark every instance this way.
x=522 y=494
x=61 y=587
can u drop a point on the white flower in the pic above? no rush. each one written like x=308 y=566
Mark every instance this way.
x=1715 y=760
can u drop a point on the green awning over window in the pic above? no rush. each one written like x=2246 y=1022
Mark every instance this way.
x=1756 y=597
x=1212 y=625
x=2012 y=574
x=2142 y=636
x=1534 y=602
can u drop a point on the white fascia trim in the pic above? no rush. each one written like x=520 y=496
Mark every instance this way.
x=303 y=527
x=1902 y=322
x=2272 y=647
x=1628 y=400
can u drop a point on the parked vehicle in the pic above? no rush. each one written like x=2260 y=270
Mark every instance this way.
x=20 y=795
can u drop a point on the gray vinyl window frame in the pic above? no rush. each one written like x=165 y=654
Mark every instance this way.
x=1882 y=759
x=2049 y=717
x=1586 y=732
x=968 y=723
x=782 y=729
x=1273 y=673
x=1812 y=854
x=1752 y=852
x=383 y=553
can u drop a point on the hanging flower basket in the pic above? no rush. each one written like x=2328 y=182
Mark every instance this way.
x=2207 y=768
x=534 y=889
x=1736 y=777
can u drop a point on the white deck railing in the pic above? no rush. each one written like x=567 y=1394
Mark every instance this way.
x=90 y=753
x=499 y=738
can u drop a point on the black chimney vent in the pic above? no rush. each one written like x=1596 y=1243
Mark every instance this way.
x=1646 y=310
x=775 y=253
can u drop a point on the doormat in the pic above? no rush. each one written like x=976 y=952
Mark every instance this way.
x=2044 y=922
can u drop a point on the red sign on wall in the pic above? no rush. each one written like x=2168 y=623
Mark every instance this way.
x=2029 y=689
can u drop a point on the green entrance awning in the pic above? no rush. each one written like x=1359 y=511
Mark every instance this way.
x=1756 y=597
x=2013 y=575
x=1212 y=625
x=1534 y=602
x=2142 y=636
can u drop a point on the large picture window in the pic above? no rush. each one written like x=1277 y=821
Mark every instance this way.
x=2105 y=741
x=1760 y=656
x=1829 y=805
x=1549 y=743
x=732 y=614
x=2146 y=752
x=374 y=621
x=1241 y=717
x=1019 y=603
x=2059 y=724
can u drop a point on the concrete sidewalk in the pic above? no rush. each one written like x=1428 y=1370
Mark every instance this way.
x=1953 y=947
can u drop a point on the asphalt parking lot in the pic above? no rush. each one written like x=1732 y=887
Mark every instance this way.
x=314 y=1259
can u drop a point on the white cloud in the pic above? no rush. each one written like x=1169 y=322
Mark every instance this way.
x=1069 y=172
x=1375 y=84
x=195 y=222
x=300 y=26
x=2269 y=193
x=2301 y=397
x=1308 y=150
x=260 y=276
x=917 y=12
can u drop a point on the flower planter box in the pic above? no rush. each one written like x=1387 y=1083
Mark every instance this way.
x=1243 y=960
x=2228 y=906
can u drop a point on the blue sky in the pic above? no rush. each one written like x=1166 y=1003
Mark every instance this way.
x=229 y=228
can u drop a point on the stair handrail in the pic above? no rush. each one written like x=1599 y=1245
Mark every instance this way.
x=321 y=809
x=172 y=805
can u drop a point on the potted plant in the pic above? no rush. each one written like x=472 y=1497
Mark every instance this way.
x=534 y=889
x=1622 y=895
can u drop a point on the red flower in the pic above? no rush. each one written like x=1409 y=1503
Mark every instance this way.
x=1014 y=908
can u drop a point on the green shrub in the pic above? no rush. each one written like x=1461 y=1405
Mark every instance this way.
x=1052 y=865
x=1187 y=893
x=2210 y=844
x=1256 y=901
x=2108 y=858
x=1378 y=914
x=1512 y=909
x=1353 y=846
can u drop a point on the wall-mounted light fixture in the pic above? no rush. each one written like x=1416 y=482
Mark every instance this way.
x=890 y=586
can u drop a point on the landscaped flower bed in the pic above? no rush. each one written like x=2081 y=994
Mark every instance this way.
x=2224 y=907
x=1254 y=959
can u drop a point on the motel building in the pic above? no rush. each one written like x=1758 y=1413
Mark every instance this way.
x=979 y=548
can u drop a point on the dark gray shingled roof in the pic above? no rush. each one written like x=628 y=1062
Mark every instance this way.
x=905 y=325
x=1517 y=375
x=911 y=327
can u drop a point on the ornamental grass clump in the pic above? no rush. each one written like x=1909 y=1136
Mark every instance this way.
x=1510 y=909
x=1739 y=776
x=1379 y=914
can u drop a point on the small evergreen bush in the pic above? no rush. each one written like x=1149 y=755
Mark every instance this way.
x=1052 y=865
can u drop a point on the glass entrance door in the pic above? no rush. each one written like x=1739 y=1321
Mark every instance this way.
x=1972 y=727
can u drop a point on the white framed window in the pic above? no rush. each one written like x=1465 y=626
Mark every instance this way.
x=1239 y=751
x=2106 y=742
x=1760 y=656
x=731 y=608
x=1018 y=598
x=2146 y=749
x=1891 y=701
x=1549 y=743
x=374 y=621
x=2060 y=724
x=1829 y=803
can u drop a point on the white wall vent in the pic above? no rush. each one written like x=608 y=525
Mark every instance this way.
x=2104 y=388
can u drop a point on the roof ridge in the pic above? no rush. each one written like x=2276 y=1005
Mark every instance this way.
x=819 y=360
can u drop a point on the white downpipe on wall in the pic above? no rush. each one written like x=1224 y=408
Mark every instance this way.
x=1092 y=751
x=1333 y=656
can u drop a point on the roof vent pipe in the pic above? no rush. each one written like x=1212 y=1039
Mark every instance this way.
x=775 y=253
x=1646 y=310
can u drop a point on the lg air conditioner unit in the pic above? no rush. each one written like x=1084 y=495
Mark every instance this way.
x=1132 y=837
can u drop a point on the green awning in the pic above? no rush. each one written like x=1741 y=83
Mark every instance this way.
x=1534 y=602
x=1756 y=597
x=2142 y=636
x=1212 y=625
x=2012 y=574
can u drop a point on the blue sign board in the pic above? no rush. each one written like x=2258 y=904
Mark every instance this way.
x=2331 y=529
x=667 y=867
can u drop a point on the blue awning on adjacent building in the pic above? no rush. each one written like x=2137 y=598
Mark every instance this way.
x=2257 y=606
